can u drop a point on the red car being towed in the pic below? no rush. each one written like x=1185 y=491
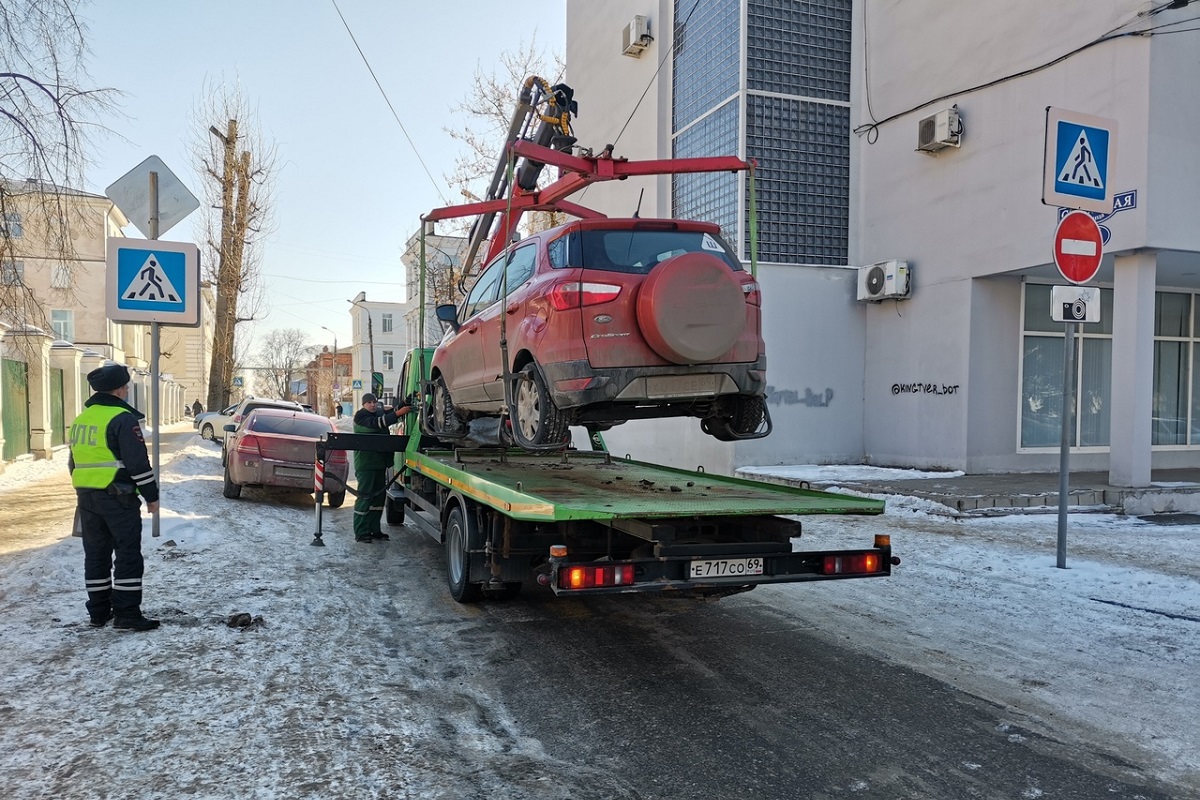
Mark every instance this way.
x=278 y=447
x=607 y=320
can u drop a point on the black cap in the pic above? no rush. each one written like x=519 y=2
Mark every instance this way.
x=108 y=377
x=369 y=398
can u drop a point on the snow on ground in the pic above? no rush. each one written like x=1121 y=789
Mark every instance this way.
x=1103 y=655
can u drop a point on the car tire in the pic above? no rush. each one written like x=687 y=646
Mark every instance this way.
x=230 y=489
x=747 y=416
x=446 y=419
x=336 y=499
x=458 y=572
x=538 y=420
x=393 y=512
x=206 y=433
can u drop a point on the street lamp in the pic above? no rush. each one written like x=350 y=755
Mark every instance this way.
x=361 y=297
x=333 y=384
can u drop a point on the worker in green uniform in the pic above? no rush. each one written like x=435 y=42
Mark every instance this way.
x=371 y=468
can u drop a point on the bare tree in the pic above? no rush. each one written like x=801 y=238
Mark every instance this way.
x=46 y=119
x=283 y=355
x=238 y=167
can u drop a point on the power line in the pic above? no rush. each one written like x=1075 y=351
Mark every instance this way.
x=387 y=100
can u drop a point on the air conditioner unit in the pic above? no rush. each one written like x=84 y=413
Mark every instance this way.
x=887 y=279
x=940 y=130
x=635 y=37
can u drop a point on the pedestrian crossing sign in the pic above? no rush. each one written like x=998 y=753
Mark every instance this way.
x=1080 y=151
x=153 y=281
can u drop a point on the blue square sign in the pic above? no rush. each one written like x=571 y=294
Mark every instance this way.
x=1080 y=151
x=153 y=281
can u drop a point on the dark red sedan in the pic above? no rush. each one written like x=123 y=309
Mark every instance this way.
x=278 y=447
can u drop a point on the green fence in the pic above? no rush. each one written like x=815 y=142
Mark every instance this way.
x=58 y=429
x=14 y=395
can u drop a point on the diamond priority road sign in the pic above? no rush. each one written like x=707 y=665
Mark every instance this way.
x=1080 y=152
x=1078 y=247
x=131 y=193
x=153 y=281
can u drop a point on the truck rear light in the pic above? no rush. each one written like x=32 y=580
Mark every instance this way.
x=592 y=577
x=574 y=294
x=752 y=293
x=854 y=564
x=248 y=446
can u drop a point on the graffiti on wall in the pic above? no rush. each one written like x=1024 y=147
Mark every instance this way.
x=924 y=388
x=790 y=397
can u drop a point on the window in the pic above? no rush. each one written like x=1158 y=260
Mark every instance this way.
x=60 y=276
x=12 y=273
x=387 y=322
x=10 y=225
x=389 y=360
x=520 y=267
x=484 y=292
x=63 y=323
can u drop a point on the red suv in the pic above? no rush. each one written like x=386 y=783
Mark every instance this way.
x=607 y=320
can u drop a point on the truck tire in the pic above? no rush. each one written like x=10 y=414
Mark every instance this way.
x=458 y=571
x=230 y=489
x=336 y=498
x=393 y=512
x=538 y=420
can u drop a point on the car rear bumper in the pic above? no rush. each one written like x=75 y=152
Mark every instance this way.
x=574 y=384
x=267 y=472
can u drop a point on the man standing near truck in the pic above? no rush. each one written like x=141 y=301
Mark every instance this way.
x=371 y=468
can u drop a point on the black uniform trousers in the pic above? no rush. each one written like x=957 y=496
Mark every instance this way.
x=112 y=552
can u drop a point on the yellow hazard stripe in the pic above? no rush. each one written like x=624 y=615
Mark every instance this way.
x=542 y=510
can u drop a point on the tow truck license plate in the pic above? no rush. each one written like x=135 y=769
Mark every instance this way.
x=725 y=567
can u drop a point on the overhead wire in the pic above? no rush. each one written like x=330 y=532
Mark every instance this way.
x=387 y=100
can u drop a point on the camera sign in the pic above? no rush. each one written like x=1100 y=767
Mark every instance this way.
x=1075 y=303
x=1078 y=247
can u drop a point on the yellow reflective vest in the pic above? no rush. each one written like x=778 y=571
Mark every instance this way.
x=95 y=465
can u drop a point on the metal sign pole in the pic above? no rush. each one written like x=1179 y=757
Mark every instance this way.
x=155 y=404
x=1064 y=456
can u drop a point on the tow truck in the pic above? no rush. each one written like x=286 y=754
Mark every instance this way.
x=583 y=521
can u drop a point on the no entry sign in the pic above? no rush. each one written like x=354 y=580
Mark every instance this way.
x=1078 y=247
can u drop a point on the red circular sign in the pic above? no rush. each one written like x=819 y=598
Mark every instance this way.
x=1078 y=247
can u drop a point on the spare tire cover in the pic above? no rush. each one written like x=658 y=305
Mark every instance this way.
x=691 y=309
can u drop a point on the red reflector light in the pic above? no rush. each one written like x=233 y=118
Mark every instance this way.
x=853 y=564
x=573 y=384
x=248 y=445
x=336 y=457
x=576 y=294
x=590 y=577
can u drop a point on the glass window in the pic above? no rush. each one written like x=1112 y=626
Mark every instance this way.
x=637 y=251
x=11 y=224
x=1171 y=314
x=60 y=276
x=290 y=426
x=1096 y=382
x=389 y=360
x=387 y=322
x=12 y=273
x=1169 y=404
x=484 y=292
x=63 y=323
x=799 y=48
x=557 y=251
x=1041 y=391
x=520 y=267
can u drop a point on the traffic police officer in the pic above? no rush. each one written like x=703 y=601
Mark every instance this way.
x=370 y=468
x=109 y=469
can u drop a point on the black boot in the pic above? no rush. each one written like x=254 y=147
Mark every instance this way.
x=138 y=623
x=101 y=618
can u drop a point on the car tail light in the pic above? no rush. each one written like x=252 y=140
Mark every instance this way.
x=752 y=293
x=575 y=294
x=591 y=577
x=336 y=457
x=852 y=564
x=249 y=445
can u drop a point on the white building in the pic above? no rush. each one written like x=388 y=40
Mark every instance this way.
x=379 y=342
x=967 y=372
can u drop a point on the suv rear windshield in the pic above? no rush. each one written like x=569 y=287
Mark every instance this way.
x=289 y=426
x=635 y=251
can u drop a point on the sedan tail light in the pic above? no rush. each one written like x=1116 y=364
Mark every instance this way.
x=249 y=446
x=336 y=457
x=575 y=294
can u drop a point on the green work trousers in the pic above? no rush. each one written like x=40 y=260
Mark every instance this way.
x=368 y=506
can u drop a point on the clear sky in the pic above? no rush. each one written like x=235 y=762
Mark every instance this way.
x=350 y=187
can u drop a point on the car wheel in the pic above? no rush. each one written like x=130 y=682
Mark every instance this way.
x=538 y=420
x=207 y=433
x=445 y=415
x=457 y=558
x=393 y=512
x=747 y=416
x=336 y=498
x=230 y=489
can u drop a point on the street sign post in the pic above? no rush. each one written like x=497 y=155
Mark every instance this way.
x=1079 y=157
x=1078 y=247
